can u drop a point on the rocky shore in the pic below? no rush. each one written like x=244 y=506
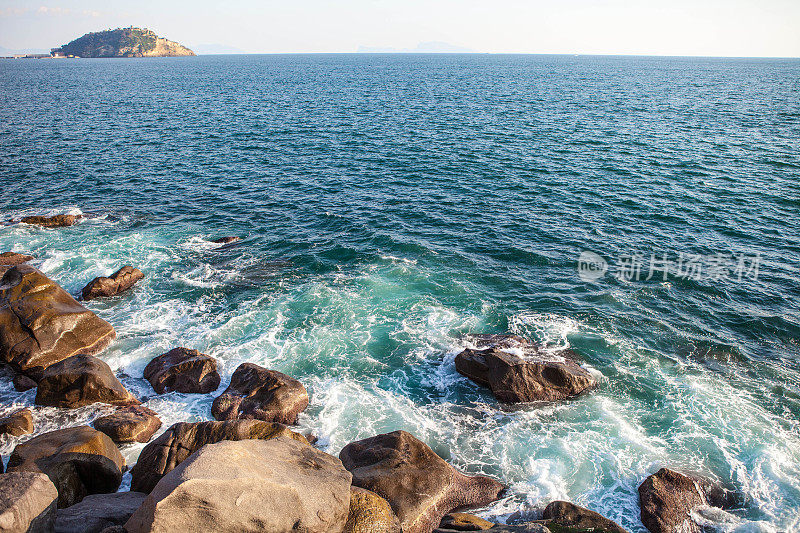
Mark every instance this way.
x=249 y=470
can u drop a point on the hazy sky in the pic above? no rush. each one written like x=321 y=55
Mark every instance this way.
x=663 y=27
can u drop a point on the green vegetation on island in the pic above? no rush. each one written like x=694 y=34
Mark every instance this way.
x=122 y=42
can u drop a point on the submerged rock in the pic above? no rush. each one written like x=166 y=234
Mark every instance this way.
x=81 y=380
x=18 y=423
x=78 y=460
x=518 y=372
x=667 y=497
x=41 y=324
x=57 y=221
x=226 y=240
x=97 y=512
x=27 y=503
x=256 y=392
x=569 y=515
x=183 y=370
x=133 y=423
x=278 y=486
x=369 y=513
x=420 y=486
x=121 y=280
x=183 y=439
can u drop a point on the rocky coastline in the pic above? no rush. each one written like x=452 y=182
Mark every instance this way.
x=248 y=469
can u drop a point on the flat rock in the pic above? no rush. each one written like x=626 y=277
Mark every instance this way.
x=369 y=513
x=181 y=440
x=41 y=324
x=226 y=240
x=13 y=258
x=464 y=522
x=420 y=486
x=97 y=512
x=27 y=503
x=256 y=392
x=81 y=380
x=18 y=423
x=120 y=281
x=57 y=221
x=78 y=460
x=667 y=497
x=279 y=485
x=133 y=423
x=518 y=372
x=566 y=514
x=183 y=370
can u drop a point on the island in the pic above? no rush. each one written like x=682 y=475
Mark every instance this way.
x=122 y=42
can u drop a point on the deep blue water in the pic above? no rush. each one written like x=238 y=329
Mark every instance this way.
x=390 y=204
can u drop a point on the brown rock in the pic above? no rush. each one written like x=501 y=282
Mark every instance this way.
x=41 y=324
x=280 y=486
x=419 y=485
x=464 y=522
x=13 y=258
x=27 y=503
x=256 y=392
x=57 y=221
x=22 y=383
x=134 y=423
x=183 y=439
x=81 y=380
x=226 y=240
x=78 y=460
x=18 y=423
x=369 y=513
x=121 y=280
x=667 y=497
x=518 y=372
x=567 y=514
x=97 y=512
x=183 y=370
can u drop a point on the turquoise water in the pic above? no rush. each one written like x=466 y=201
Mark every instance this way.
x=388 y=205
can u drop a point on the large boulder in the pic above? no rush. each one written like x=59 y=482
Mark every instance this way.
x=369 y=513
x=666 y=499
x=27 y=503
x=256 y=392
x=569 y=515
x=120 y=281
x=56 y=221
x=517 y=371
x=183 y=439
x=17 y=423
x=96 y=512
x=41 y=324
x=22 y=382
x=420 y=486
x=81 y=380
x=183 y=370
x=78 y=460
x=134 y=423
x=278 y=485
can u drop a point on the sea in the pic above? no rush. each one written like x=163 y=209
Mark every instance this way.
x=643 y=212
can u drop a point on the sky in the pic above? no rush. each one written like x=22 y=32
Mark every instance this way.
x=741 y=28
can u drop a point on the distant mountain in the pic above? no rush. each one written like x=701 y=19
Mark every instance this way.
x=213 y=49
x=431 y=47
x=124 y=42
